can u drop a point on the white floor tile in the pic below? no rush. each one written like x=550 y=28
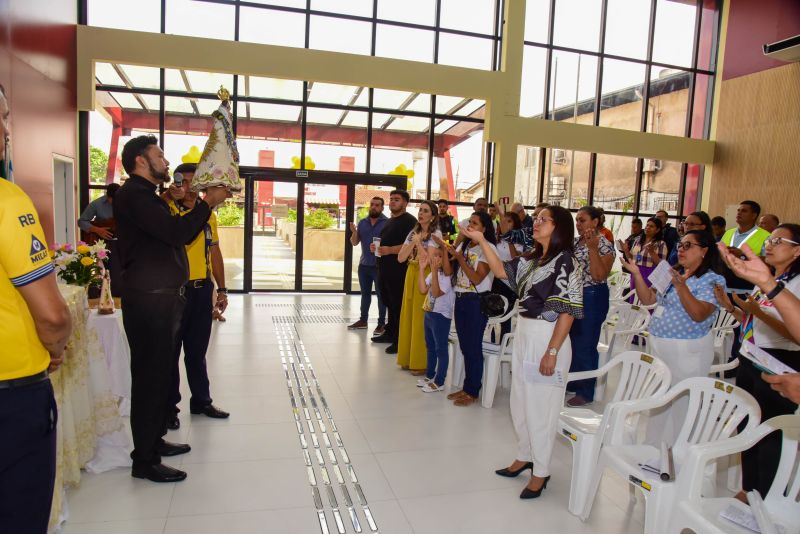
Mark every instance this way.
x=288 y=521
x=225 y=487
x=136 y=526
x=424 y=465
x=115 y=495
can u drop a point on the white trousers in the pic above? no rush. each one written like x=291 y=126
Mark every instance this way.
x=535 y=408
x=685 y=358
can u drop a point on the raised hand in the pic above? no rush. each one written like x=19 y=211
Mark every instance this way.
x=592 y=239
x=474 y=235
x=722 y=298
x=436 y=262
x=750 y=305
x=630 y=265
x=752 y=269
x=353 y=227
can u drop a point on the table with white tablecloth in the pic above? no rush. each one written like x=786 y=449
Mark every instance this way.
x=90 y=432
x=112 y=337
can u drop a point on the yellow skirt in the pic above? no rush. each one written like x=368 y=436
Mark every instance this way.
x=411 y=351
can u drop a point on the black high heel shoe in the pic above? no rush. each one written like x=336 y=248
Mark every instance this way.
x=531 y=494
x=506 y=472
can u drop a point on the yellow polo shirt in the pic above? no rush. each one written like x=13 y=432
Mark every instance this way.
x=198 y=251
x=24 y=259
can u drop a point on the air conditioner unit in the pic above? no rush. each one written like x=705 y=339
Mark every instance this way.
x=786 y=50
x=651 y=165
x=559 y=156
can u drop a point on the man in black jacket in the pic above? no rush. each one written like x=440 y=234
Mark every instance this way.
x=152 y=254
x=671 y=236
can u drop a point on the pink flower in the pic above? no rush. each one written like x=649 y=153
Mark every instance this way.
x=68 y=247
x=82 y=243
x=102 y=254
x=55 y=246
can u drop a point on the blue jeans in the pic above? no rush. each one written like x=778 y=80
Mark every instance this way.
x=585 y=334
x=437 y=332
x=470 y=325
x=367 y=275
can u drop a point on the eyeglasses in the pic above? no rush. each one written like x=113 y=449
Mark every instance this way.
x=775 y=241
x=686 y=245
x=541 y=220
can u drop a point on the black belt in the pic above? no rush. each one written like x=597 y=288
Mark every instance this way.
x=24 y=381
x=177 y=291
x=195 y=284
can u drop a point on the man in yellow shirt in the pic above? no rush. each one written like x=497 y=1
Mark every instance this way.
x=34 y=328
x=205 y=259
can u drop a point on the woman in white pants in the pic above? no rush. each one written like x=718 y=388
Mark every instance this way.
x=550 y=288
x=680 y=330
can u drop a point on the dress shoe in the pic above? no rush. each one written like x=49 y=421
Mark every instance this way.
x=506 y=472
x=158 y=473
x=531 y=494
x=173 y=449
x=210 y=411
x=391 y=349
x=577 y=401
x=383 y=338
x=173 y=423
x=358 y=325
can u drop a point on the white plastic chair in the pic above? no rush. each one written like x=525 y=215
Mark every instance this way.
x=782 y=504
x=641 y=376
x=715 y=410
x=618 y=284
x=631 y=320
x=724 y=325
x=495 y=354
x=455 y=369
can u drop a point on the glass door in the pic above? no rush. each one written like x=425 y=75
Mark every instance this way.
x=274 y=235
x=324 y=236
x=297 y=231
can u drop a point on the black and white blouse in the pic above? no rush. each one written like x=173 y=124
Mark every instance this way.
x=545 y=291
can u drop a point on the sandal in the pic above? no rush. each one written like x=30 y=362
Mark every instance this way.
x=456 y=395
x=466 y=400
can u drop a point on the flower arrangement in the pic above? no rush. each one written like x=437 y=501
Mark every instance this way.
x=79 y=265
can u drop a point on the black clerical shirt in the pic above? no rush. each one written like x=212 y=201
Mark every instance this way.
x=152 y=242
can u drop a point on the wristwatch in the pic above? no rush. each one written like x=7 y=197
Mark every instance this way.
x=552 y=351
x=222 y=290
x=777 y=289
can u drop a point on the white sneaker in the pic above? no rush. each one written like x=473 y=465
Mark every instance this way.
x=431 y=387
x=422 y=382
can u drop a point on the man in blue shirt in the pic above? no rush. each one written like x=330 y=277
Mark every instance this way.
x=100 y=212
x=368 y=228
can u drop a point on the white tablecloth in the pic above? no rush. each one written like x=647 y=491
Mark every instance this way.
x=90 y=433
x=111 y=335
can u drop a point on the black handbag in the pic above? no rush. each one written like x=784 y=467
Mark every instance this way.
x=492 y=304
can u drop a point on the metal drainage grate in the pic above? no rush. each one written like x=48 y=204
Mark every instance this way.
x=309 y=319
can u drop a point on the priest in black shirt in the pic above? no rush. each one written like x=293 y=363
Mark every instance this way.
x=392 y=272
x=152 y=253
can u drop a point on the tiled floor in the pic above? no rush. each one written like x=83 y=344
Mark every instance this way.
x=425 y=466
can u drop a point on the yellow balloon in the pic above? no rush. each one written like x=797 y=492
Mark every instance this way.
x=310 y=165
x=193 y=156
